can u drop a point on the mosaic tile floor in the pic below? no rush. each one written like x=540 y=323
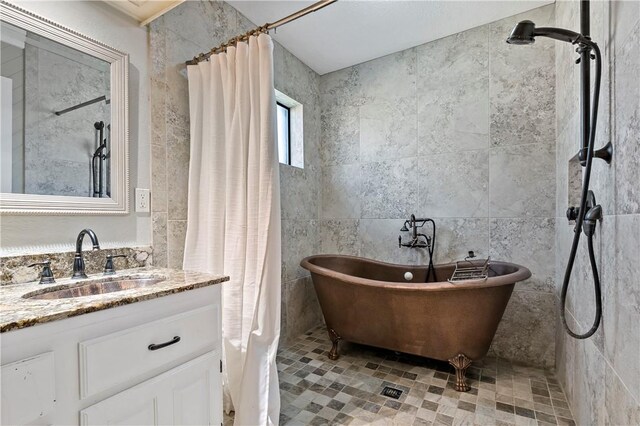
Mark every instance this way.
x=318 y=391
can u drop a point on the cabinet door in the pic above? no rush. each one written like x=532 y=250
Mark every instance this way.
x=190 y=394
x=28 y=389
x=195 y=395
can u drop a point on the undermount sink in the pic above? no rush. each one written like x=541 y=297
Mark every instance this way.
x=94 y=288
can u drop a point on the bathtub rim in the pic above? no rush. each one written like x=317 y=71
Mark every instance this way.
x=520 y=274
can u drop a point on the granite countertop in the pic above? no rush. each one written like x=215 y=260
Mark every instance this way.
x=18 y=312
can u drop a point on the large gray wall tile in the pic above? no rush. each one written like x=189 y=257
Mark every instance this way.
x=455 y=237
x=176 y=233
x=528 y=242
x=340 y=135
x=340 y=189
x=627 y=124
x=620 y=407
x=379 y=240
x=297 y=242
x=567 y=73
x=590 y=404
x=522 y=181
x=299 y=192
x=158 y=109
x=374 y=77
x=454 y=185
x=340 y=236
x=388 y=130
x=159 y=239
x=522 y=88
x=388 y=189
x=159 y=181
x=622 y=336
x=454 y=119
x=340 y=88
x=525 y=332
x=301 y=309
x=453 y=92
x=177 y=172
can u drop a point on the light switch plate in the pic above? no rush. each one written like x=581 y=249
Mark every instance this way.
x=143 y=200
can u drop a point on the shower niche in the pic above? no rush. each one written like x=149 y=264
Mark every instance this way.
x=574 y=181
x=64 y=146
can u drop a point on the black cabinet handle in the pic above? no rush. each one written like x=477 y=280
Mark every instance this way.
x=155 y=347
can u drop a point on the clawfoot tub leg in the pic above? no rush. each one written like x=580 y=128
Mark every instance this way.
x=460 y=362
x=333 y=353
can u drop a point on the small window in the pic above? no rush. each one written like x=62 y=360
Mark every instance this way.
x=290 y=126
x=284 y=133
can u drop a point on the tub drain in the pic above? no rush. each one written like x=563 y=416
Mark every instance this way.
x=391 y=392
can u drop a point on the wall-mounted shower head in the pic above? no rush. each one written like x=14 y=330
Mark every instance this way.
x=525 y=32
x=522 y=33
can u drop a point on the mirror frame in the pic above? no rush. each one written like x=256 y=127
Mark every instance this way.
x=118 y=203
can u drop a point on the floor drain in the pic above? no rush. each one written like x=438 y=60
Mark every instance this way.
x=391 y=392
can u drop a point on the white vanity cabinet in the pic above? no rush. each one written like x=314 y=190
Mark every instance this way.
x=155 y=362
x=185 y=395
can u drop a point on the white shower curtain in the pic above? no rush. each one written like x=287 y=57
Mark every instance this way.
x=233 y=224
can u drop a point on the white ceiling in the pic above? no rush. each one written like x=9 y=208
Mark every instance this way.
x=144 y=11
x=350 y=32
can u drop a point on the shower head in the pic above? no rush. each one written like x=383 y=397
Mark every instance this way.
x=525 y=32
x=404 y=227
x=522 y=33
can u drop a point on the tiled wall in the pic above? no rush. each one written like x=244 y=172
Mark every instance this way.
x=601 y=375
x=462 y=130
x=185 y=31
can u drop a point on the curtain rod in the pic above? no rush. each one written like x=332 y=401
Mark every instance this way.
x=262 y=29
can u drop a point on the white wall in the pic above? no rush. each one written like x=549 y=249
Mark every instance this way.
x=43 y=233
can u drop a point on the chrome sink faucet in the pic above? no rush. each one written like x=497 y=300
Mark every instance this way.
x=78 y=261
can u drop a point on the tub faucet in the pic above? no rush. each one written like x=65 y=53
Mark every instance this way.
x=419 y=240
x=78 y=261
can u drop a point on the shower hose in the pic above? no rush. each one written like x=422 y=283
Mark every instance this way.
x=581 y=215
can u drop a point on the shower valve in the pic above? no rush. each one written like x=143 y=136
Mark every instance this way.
x=572 y=213
x=591 y=218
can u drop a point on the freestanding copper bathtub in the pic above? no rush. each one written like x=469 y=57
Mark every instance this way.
x=371 y=303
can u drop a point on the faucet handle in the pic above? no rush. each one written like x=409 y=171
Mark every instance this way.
x=46 y=276
x=109 y=269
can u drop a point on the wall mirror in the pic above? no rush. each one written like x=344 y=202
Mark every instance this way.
x=64 y=105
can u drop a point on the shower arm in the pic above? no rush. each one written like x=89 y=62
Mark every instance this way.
x=562 y=34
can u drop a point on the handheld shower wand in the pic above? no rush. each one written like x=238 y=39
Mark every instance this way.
x=588 y=213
